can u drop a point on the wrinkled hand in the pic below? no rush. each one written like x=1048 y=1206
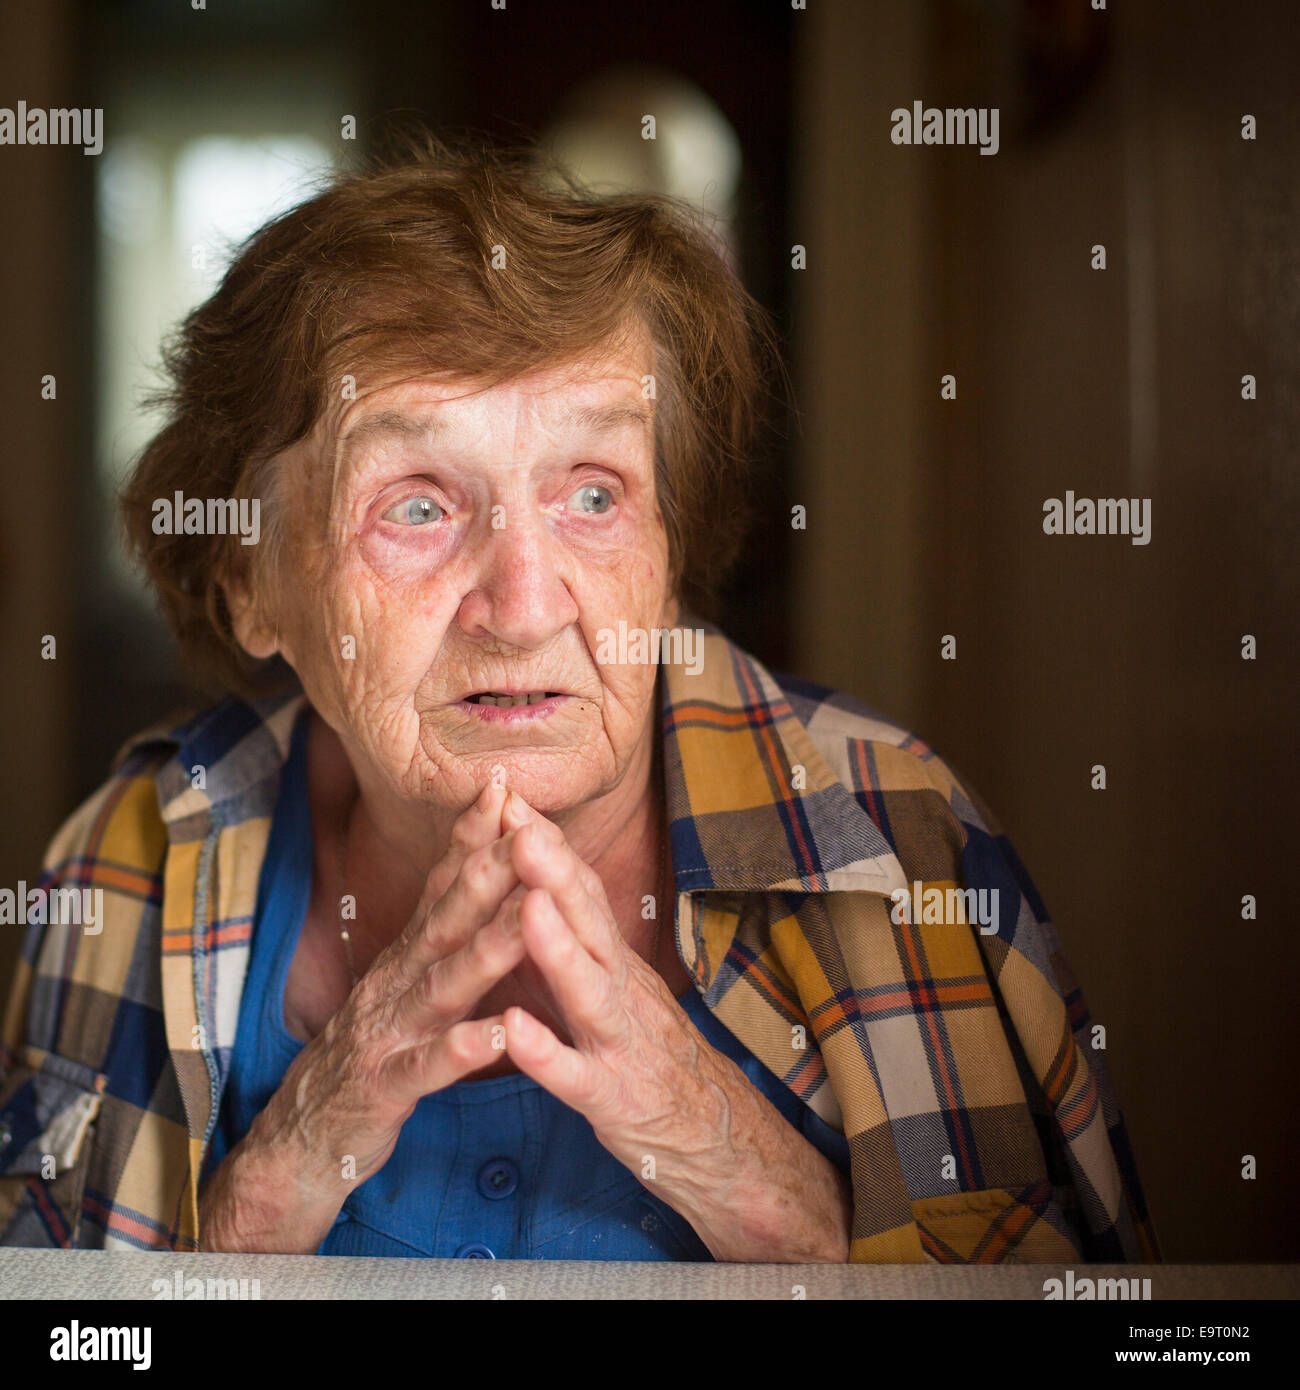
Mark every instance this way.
x=671 y=1108
x=404 y=1032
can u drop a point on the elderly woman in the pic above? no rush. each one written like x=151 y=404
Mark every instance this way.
x=528 y=917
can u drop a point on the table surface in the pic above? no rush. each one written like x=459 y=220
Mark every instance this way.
x=99 y=1274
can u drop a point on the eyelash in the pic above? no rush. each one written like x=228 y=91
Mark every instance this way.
x=609 y=482
x=410 y=491
x=611 y=485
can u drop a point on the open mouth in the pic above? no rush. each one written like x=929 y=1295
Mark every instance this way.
x=509 y=700
x=513 y=706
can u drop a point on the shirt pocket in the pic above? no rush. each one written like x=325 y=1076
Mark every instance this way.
x=994 y=1226
x=48 y=1108
x=622 y=1222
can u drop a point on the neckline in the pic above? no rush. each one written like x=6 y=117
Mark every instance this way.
x=297 y=864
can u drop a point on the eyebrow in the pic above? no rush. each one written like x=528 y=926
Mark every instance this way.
x=599 y=419
x=387 y=422
x=612 y=417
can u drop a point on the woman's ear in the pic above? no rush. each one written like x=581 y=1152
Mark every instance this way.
x=255 y=630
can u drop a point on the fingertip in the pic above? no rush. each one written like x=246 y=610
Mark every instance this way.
x=511 y=923
x=527 y=913
x=523 y=836
x=512 y=814
x=522 y=1024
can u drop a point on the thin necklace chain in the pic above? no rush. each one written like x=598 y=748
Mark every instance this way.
x=343 y=878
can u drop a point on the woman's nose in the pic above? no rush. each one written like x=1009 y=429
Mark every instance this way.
x=520 y=593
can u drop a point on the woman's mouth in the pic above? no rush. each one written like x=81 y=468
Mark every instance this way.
x=495 y=706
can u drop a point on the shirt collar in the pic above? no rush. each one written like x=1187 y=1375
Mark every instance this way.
x=752 y=803
x=225 y=763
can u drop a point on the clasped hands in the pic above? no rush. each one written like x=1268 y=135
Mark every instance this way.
x=658 y=1096
x=510 y=895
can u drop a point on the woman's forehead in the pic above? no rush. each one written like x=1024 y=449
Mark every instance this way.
x=598 y=396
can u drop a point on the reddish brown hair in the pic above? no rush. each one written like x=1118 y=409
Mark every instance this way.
x=391 y=270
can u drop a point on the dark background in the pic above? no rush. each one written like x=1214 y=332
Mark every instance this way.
x=924 y=516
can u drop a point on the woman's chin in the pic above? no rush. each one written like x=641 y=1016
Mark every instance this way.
x=549 y=783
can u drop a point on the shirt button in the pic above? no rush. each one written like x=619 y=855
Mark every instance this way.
x=474 y=1251
x=498 y=1178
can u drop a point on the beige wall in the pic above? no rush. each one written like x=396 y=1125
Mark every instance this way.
x=1077 y=651
x=859 y=314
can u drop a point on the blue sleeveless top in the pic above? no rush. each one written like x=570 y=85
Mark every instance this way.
x=495 y=1169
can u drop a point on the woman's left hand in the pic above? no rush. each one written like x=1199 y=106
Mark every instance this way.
x=676 y=1112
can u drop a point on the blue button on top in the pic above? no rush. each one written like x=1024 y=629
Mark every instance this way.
x=474 y=1251
x=498 y=1178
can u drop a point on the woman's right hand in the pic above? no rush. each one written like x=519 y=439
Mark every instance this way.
x=401 y=1035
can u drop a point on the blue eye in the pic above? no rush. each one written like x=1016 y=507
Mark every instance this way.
x=593 y=499
x=416 y=512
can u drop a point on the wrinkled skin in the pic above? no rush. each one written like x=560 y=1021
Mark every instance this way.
x=454 y=606
x=477 y=900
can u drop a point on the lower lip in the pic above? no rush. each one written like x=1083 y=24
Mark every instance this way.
x=513 y=714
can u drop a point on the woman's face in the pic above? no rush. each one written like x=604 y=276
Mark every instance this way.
x=443 y=542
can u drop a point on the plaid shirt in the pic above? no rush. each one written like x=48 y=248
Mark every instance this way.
x=958 y=1061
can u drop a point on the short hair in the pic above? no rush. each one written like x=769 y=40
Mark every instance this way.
x=398 y=268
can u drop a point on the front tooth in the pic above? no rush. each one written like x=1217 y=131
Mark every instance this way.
x=537 y=697
x=519 y=699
